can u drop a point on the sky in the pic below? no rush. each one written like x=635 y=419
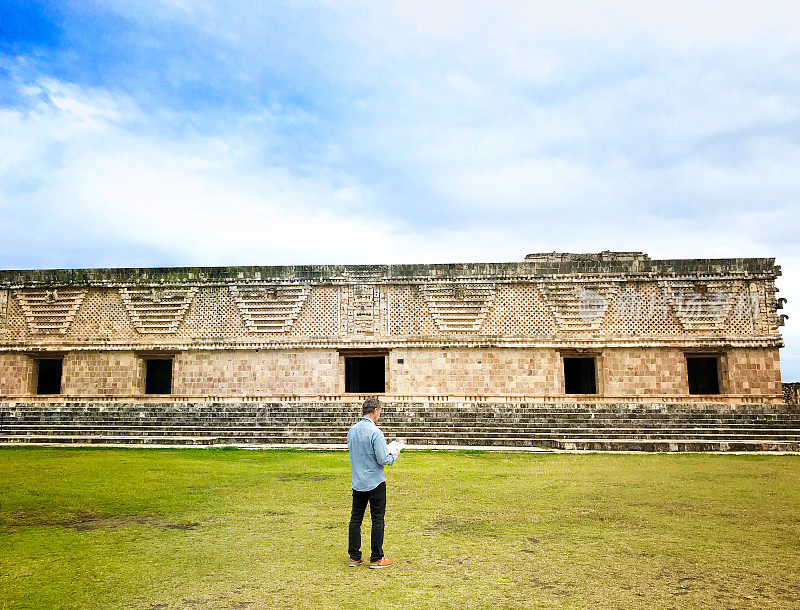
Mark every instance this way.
x=193 y=132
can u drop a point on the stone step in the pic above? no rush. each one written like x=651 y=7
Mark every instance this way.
x=465 y=437
x=665 y=422
x=402 y=432
x=105 y=439
x=307 y=410
x=388 y=418
x=388 y=430
x=163 y=440
x=384 y=421
x=415 y=424
x=567 y=444
x=676 y=446
x=594 y=427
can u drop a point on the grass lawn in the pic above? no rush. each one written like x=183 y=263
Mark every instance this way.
x=228 y=528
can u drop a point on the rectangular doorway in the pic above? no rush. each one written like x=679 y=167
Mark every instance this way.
x=365 y=374
x=48 y=375
x=158 y=376
x=579 y=376
x=703 y=374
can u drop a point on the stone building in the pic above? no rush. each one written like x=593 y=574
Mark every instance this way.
x=555 y=328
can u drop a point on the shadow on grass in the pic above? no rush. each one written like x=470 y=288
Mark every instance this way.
x=85 y=520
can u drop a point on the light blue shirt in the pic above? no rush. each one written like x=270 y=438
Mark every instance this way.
x=368 y=455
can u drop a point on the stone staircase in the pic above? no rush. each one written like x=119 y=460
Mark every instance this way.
x=606 y=427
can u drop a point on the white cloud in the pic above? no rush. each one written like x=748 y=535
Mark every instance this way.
x=186 y=198
x=685 y=22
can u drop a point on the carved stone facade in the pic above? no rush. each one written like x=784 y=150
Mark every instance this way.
x=493 y=331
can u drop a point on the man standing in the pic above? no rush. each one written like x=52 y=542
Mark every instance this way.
x=368 y=455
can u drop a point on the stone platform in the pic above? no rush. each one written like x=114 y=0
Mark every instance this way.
x=571 y=427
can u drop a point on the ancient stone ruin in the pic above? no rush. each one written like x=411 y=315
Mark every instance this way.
x=594 y=333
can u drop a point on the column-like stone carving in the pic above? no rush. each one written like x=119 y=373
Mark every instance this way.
x=360 y=314
x=364 y=310
x=3 y=307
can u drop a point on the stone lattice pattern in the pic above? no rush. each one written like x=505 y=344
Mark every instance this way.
x=641 y=310
x=744 y=314
x=213 y=314
x=318 y=316
x=270 y=309
x=459 y=307
x=409 y=312
x=554 y=298
x=156 y=310
x=576 y=306
x=50 y=311
x=699 y=306
x=519 y=311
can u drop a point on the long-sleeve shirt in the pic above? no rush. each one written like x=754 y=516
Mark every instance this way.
x=368 y=455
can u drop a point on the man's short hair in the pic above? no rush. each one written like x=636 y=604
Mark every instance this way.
x=370 y=404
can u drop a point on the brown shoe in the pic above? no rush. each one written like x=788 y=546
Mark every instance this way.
x=383 y=563
x=353 y=562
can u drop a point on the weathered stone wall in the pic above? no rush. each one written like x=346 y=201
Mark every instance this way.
x=246 y=373
x=16 y=373
x=791 y=393
x=645 y=311
x=752 y=372
x=474 y=372
x=600 y=297
x=495 y=329
x=102 y=374
x=646 y=374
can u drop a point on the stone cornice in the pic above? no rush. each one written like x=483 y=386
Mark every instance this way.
x=682 y=342
x=583 y=267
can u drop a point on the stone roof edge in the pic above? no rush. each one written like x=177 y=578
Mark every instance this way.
x=762 y=268
x=684 y=342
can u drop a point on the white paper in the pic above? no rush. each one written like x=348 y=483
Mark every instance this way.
x=396 y=446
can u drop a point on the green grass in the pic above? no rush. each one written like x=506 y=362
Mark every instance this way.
x=145 y=528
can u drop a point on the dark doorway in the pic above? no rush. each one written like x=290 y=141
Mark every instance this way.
x=365 y=374
x=48 y=376
x=158 y=376
x=703 y=374
x=579 y=376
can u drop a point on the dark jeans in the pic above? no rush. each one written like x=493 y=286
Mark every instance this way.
x=377 y=508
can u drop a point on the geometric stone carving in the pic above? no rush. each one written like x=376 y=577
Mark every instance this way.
x=363 y=302
x=459 y=306
x=50 y=310
x=578 y=306
x=364 y=310
x=156 y=309
x=3 y=306
x=269 y=308
x=699 y=306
